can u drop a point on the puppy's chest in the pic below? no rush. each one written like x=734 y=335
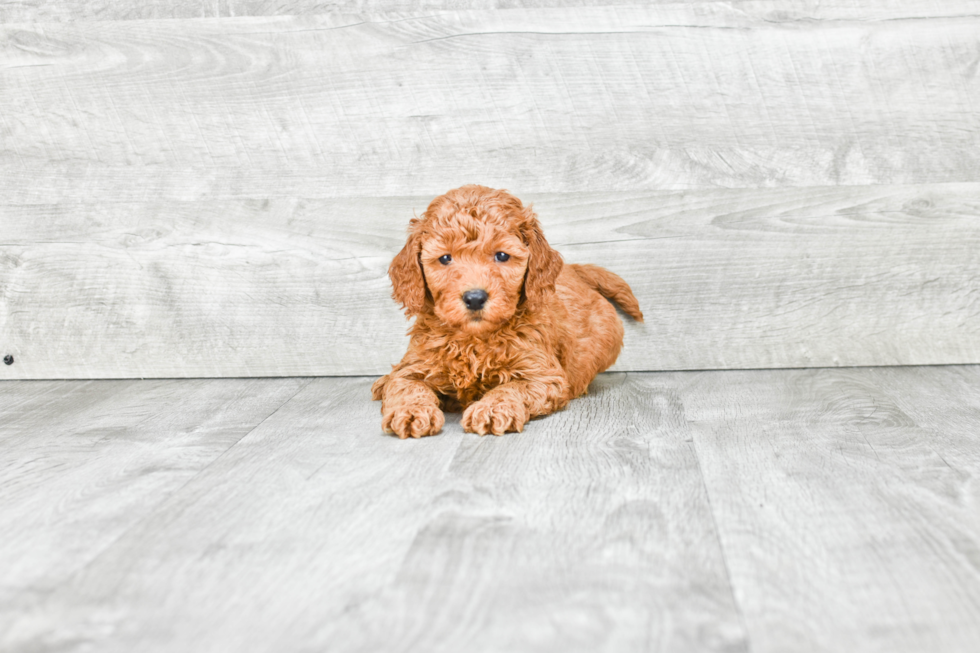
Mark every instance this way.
x=470 y=372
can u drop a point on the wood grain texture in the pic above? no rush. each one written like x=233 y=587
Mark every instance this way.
x=590 y=531
x=834 y=276
x=84 y=462
x=220 y=196
x=789 y=510
x=318 y=532
x=29 y=11
x=55 y=11
x=951 y=424
x=847 y=522
x=688 y=95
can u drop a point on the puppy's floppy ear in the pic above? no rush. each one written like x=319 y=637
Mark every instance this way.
x=405 y=273
x=544 y=264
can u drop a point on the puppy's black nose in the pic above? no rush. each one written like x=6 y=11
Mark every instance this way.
x=475 y=299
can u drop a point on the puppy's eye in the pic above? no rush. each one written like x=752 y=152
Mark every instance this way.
x=502 y=257
x=445 y=259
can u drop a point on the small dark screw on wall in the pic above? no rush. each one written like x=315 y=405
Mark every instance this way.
x=8 y=360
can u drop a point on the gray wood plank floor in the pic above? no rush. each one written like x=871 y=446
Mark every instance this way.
x=805 y=510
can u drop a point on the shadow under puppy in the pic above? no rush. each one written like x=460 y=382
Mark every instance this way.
x=504 y=329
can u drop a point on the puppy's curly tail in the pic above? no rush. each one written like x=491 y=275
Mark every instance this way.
x=611 y=286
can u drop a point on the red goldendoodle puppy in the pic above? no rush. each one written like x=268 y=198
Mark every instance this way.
x=504 y=329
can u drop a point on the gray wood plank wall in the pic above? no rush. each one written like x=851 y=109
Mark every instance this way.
x=783 y=185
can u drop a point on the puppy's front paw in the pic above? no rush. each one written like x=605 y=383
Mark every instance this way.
x=496 y=415
x=412 y=420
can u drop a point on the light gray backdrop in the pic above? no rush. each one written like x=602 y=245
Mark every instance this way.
x=221 y=197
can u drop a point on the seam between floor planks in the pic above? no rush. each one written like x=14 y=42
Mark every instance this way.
x=189 y=480
x=486 y=497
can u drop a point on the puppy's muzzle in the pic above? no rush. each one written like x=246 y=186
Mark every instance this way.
x=475 y=299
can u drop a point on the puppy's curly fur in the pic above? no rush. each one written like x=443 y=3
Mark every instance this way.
x=541 y=333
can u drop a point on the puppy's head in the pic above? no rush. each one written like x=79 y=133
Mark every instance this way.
x=473 y=258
